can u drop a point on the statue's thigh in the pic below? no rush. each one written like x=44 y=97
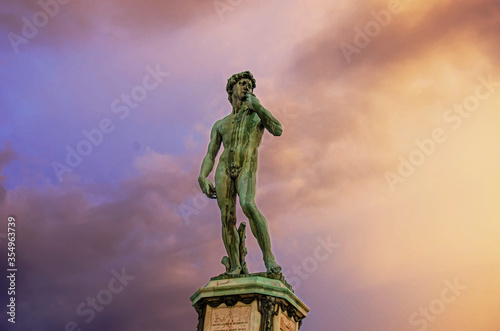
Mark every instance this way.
x=225 y=188
x=246 y=185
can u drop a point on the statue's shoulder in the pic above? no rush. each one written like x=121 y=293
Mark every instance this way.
x=222 y=121
x=217 y=126
x=218 y=123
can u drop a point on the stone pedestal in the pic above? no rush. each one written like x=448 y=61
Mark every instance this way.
x=248 y=303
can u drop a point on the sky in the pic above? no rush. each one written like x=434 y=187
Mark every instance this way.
x=382 y=194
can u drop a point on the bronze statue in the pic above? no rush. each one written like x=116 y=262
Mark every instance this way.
x=241 y=133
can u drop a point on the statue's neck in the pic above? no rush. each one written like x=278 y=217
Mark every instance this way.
x=237 y=106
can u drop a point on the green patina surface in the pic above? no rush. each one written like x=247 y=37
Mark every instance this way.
x=240 y=133
x=274 y=276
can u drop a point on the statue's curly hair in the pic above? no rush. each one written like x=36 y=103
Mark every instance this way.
x=235 y=78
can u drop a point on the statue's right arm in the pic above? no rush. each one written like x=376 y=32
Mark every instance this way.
x=208 y=162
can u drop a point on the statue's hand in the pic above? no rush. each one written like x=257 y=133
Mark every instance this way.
x=252 y=101
x=208 y=188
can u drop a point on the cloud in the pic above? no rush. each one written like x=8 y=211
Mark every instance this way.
x=6 y=156
x=74 y=235
x=81 y=21
x=417 y=29
x=345 y=125
x=347 y=116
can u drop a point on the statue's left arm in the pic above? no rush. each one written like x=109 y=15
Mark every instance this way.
x=270 y=122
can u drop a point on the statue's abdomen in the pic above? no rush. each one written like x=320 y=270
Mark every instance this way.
x=243 y=142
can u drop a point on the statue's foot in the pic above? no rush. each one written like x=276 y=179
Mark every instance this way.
x=272 y=267
x=235 y=271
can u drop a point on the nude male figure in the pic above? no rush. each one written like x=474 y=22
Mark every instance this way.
x=240 y=133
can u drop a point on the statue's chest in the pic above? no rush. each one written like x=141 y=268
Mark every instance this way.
x=239 y=125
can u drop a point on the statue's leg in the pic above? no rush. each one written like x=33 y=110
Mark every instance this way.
x=226 y=199
x=246 y=188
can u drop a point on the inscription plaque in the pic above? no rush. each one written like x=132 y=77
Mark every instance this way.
x=231 y=319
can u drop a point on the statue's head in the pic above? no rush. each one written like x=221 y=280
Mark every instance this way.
x=246 y=77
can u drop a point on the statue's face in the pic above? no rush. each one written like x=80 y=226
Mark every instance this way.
x=241 y=88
